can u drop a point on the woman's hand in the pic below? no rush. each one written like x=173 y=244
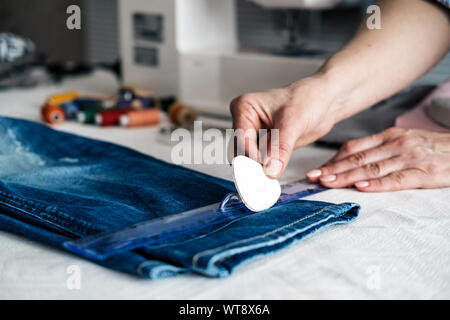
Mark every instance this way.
x=302 y=112
x=349 y=82
x=394 y=159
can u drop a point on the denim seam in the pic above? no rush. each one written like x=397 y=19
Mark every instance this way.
x=212 y=251
x=63 y=220
x=200 y=236
x=24 y=202
x=215 y=264
x=53 y=224
x=288 y=235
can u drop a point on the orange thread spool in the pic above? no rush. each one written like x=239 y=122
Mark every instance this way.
x=181 y=115
x=53 y=114
x=140 y=118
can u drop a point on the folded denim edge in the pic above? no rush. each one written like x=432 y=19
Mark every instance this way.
x=155 y=269
x=136 y=265
x=210 y=262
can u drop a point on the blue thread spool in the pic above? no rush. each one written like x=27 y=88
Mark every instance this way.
x=137 y=103
x=147 y=102
x=70 y=109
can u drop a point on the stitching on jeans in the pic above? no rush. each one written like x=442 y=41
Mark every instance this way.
x=25 y=202
x=227 y=257
x=268 y=242
x=198 y=255
x=51 y=223
x=212 y=251
x=200 y=236
x=62 y=220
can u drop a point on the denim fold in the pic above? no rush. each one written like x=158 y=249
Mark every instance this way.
x=56 y=186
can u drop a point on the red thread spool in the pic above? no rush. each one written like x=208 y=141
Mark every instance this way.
x=140 y=118
x=110 y=117
x=52 y=114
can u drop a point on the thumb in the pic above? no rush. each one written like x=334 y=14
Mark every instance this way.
x=281 y=144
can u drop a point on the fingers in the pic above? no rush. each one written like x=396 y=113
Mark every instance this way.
x=365 y=143
x=357 y=153
x=357 y=160
x=356 y=146
x=398 y=180
x=280 y=150
x=360 y=159
x=246 y=143
x=246 y=125
x=375 y=163
x=404 y=159
x=364 y=173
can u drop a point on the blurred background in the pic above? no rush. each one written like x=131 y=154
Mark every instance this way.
x=98 y=40
x=202 y=53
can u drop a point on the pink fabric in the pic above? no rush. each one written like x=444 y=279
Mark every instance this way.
x=417 y=118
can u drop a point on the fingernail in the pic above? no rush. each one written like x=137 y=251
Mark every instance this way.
x=272 y=168
x=328 y=178
x=362 y=184
x=314 y=173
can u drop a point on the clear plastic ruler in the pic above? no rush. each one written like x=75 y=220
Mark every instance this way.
x=160 y=230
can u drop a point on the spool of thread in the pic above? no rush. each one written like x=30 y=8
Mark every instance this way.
x=147 y=102
x=123 y=104
x=126 y=93
x=133 y=104
x=57 y=99
x=52 y=114
x=137 y=103
x=70 y=109
x=87 y=117
x=109 y=102
x=109 y=117
x=140 y=118
x=181 y=114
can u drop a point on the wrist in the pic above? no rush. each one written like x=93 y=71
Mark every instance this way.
x=324 y=93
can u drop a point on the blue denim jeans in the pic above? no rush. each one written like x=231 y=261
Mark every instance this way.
x=56 y=186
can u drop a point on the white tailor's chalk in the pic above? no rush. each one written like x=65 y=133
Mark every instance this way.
x=257 y=191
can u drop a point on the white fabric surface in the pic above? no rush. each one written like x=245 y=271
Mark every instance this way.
x=399 y=246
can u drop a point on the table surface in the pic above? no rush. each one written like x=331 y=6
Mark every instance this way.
x=399 y=246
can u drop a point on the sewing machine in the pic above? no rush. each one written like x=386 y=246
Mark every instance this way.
x=190 y=48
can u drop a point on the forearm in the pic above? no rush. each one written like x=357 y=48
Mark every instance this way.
x=376 y=64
